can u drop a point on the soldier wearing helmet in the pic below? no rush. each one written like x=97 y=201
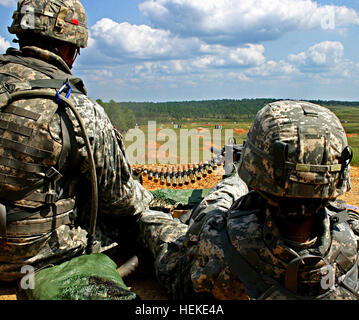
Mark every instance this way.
x=60 y=156
x=288 y=238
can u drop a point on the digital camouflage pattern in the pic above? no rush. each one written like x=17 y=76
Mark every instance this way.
x=176 y=251
x=63 y=20
x=120 y=196
x=192 y=262
x=307 y=161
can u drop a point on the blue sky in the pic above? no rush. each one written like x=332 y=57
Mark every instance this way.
x=168 y=50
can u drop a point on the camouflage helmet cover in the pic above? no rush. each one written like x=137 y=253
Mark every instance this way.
x=63 y=20
x=296 y=149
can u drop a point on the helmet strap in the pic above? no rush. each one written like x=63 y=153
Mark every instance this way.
x=280 y=152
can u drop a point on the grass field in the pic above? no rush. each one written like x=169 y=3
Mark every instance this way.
x=189 y=144
x=349 y=117
x=175 y=145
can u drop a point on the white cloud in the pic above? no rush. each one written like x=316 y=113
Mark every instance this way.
x=163 y=52
x=234 y=21
x=124 y=40
x=273 y=68
x=210 y=57
x=323 y=54
x=4 y=44
x=8 y=3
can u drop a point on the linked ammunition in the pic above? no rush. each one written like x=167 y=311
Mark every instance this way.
x=185 y=177
x=174 y=179
x=203 y=172
x=156 y=175
x=179 y=174
x=168 y=177
x=191 y=175
x=150 y=174
x=162 y=176
x=196 y=172
x=213 y=164
x=139 y=170
x=208 y=167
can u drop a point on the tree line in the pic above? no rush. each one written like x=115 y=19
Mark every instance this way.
x=121 y=116
x=125 y=115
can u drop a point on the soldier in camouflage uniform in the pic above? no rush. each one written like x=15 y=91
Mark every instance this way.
x=45 y=178
x=288 y=238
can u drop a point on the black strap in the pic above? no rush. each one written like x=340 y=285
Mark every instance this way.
x=25 y=149
x=291 y=276
x=7 y=179
x=57 y=84
x=66 y=143
x=16 y=164
x=2 y=221
x=56 y=209
x=22 y=112
x=13 y=127
x=38 y=226
x=280 y=152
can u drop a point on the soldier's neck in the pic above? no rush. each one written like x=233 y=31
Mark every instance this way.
x=301 y=232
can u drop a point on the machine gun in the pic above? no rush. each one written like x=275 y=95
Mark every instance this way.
x=230 y=154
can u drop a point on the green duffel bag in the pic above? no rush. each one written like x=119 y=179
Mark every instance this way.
x=87 y=277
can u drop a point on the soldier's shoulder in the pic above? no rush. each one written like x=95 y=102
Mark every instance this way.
x=244 y=218
x=86 y=101
x=244 y=225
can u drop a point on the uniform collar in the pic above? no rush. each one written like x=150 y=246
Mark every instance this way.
x=46 y=56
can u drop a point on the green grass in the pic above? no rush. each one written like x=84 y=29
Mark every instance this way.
x=349 y=117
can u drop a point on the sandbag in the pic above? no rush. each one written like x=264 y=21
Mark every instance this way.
x=87 y=277
x=187 y=197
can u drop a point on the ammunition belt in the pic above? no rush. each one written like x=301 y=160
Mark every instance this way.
x=184 y=175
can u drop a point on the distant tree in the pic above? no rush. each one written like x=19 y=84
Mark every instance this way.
x=121 y=117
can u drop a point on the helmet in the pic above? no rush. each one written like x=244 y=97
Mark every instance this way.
x=63 y=20
x=296 y=149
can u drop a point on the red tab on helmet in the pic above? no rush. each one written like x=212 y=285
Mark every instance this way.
x=74 y=21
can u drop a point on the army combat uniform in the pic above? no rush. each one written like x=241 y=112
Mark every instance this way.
x=44 y=167
x=296 y=160
x=202 y=259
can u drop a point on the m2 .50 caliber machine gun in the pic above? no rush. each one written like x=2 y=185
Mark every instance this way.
x=231 y=154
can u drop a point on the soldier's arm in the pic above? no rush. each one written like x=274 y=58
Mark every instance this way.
x=221 y=196
x=119 y=193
